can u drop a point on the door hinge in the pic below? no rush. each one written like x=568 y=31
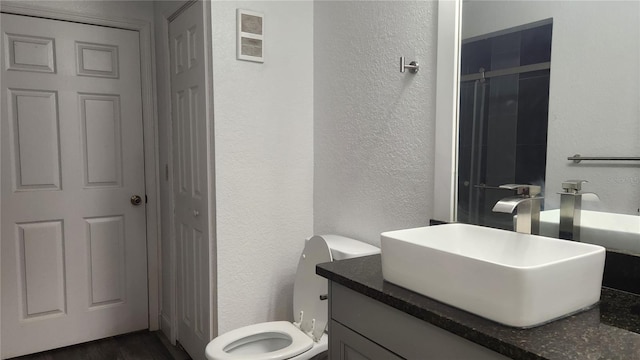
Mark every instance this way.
x=166 y=172
x=146 y=199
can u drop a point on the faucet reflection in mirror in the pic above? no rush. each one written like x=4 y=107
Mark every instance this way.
x=570 y=209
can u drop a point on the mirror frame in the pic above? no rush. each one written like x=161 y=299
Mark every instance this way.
x=447 y=99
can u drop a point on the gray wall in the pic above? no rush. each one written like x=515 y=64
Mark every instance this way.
x=373 y=126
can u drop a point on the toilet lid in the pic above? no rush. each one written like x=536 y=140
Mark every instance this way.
x=309 y=288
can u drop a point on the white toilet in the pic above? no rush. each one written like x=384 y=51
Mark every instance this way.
x=306 y=336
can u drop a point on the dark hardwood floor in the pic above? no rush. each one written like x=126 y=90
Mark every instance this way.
x=142 y=345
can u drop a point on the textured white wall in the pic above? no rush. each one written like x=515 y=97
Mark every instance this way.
x=373 y=126
x=264 y=160
x=594 y=90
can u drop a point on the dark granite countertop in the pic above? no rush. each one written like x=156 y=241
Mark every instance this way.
x=610 y=330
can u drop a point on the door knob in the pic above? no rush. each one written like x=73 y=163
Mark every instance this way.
x=136 y=200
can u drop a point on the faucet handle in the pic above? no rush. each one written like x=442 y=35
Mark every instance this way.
x=523 y=189
x=572 y=186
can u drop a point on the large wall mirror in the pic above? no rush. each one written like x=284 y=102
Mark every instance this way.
x=540 y=82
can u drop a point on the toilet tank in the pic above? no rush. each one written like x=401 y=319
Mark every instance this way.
x=345 y=248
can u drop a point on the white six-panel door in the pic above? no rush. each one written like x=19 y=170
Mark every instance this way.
x=73 y=244
x=189 y=137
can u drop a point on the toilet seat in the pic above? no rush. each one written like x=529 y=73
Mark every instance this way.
x=222 y=347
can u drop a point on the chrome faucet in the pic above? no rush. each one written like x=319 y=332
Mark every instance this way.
x=527 y=202
x=570 y=209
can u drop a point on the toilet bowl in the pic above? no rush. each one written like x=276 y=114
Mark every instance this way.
x=306 y=336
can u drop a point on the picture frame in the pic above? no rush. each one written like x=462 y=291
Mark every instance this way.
x=250 y=39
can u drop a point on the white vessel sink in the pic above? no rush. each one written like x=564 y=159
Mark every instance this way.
x=613 y=231
x=515 y=279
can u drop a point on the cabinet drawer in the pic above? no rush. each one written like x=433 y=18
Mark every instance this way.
x=346 y=344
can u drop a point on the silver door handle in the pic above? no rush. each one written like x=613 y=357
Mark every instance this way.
x=136 y=200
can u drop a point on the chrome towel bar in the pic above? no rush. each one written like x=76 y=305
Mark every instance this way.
x=577 y=158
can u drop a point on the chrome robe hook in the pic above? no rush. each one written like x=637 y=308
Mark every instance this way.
x=413 y=66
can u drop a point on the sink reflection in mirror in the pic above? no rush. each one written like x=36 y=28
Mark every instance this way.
x=540 y=82
x=613 y=231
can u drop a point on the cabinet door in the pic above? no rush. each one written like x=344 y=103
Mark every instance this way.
x=401 y=334
x=346 y=344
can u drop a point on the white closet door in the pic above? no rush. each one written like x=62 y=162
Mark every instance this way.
x=188 y=81
x=73 y=244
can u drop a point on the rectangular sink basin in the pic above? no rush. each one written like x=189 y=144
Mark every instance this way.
x=613 y=231
x=515 y=279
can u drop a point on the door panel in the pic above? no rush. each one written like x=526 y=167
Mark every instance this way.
x=34 y=135
x=107 y=259
x=186 y=42
x=101 y=140
x=30 y=53
x=41 y=281
x=73 y=246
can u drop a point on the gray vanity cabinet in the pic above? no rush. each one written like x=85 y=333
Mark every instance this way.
x=365 y=329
